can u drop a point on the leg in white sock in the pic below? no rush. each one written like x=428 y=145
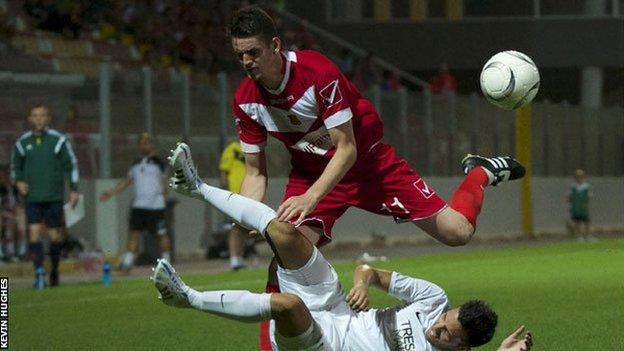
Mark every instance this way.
x=236 y=261
x=239 y=305
x=291 y=316
x=249 y=213
x=21 y=252
x=127 y=260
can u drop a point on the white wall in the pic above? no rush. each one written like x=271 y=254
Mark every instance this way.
x=500 y=215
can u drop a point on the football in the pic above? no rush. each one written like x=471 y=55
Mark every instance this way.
x=510 y=80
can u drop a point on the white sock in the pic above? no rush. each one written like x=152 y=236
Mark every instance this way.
x=249 y=213
x=489 y=174
x=166 y=255
x=10 y=248
x=240 y=305
x=22 y=248
x=235 y=261
x=127 y=260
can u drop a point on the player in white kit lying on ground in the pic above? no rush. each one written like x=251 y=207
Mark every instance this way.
x=312 y=311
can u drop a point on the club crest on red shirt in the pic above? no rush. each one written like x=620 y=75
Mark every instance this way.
x=331 y=94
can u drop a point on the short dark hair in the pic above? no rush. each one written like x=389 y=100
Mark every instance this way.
x=251 y=21
x=38 y=104
x=478 y=321
x=145 y=135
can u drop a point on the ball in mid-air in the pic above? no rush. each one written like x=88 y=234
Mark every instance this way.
x=510 y=79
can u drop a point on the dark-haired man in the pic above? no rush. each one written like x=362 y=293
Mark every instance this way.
x=334 y=137
x=312 y=311
x=42 y=160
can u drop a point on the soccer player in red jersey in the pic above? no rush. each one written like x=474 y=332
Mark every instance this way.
x=334 y=137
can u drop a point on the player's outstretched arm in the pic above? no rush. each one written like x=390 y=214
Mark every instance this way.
x=119 y=187
x=363 y=277
x=515 y=341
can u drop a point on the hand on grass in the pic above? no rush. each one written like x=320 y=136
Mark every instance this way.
x=514 y=343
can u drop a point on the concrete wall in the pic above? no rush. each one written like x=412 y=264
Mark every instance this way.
x=106 y=224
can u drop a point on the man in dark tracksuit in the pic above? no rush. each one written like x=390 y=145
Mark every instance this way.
x=42 y=158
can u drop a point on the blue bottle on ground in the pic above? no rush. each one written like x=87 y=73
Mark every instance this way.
x=40 y=278
x=106 y=278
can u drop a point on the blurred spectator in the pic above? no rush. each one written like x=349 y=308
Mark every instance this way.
x=444 y=82
x=149 y=178
x=390 y=82
x=304 y=40
x=74 y=124
x=232 y=168
x=74 y=19
x=12 y=219
x=578 y=199
x=42 y=159
x=166 y=33
x=367 y=74
x=345 y=62
x=62 y=17
x=290 y=42
x=7 y=27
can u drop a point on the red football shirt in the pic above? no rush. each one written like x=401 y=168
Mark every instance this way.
x=313 y=97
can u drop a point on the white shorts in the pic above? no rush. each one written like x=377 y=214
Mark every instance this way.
x=325 y=300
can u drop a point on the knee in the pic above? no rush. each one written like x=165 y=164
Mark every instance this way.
x=458 y=236
x=286 y=306
x=33 y=236
x=282 y=233
x=457 y=241
x=285 y=229
x=56 y=236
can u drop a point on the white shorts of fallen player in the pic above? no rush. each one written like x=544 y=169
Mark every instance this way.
x=336 y=326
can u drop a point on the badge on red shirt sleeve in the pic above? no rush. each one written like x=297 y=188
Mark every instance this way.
x=331 y=94
x=334 y=107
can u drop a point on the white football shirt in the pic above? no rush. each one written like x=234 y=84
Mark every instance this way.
x=400 y=327
x=147 y=176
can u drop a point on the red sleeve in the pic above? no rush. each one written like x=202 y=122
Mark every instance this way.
x=333 y=91
x=252 y=135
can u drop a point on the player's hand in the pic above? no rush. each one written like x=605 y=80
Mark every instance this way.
x=105 y=196
x=515 y=342
x=296 y=207
x=73 y=198
x=245 y=231
x=22 y=187
x=358 y=298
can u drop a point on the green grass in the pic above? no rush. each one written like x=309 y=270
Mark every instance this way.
x=570 y=295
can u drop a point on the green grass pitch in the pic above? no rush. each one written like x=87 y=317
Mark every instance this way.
x=570 y=295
